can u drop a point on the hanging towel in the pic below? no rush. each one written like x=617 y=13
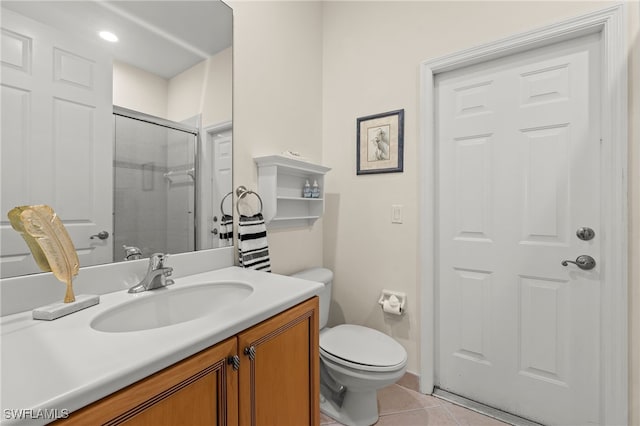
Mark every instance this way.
x=253 y=250
x=226 y=230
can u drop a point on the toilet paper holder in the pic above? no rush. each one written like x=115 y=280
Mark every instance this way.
x=393 y=299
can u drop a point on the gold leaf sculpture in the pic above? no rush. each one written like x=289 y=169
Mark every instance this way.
x=36 y=251
x=49 y=243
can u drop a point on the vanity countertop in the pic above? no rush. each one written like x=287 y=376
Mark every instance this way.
x=65 y=364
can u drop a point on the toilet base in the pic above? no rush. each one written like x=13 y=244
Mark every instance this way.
x=358 y=408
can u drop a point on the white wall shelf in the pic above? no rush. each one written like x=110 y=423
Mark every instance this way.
x=280 y=183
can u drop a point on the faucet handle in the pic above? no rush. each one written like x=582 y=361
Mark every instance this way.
x=167 y=271
x=157 y=260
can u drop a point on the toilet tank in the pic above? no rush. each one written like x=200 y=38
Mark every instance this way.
x=324 y=276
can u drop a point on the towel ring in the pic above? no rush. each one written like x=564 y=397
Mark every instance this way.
x=241 y=192
x=222 y=203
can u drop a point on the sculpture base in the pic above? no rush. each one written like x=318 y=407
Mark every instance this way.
x=60 y=309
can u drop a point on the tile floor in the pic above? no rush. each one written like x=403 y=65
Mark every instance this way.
x=399 y=405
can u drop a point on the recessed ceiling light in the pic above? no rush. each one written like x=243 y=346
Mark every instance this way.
x=106 y=35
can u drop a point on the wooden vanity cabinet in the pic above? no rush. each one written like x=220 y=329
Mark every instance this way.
x=277 y=382
x=279 y=363
x=200 y=390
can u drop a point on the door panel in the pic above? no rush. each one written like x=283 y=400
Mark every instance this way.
x=56 y=137
x=544 y=305
x=518 y=150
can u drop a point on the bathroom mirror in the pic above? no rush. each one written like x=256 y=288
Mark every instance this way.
x=129 y=141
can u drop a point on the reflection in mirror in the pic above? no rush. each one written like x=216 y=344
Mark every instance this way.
x=65 y=144
x=154 y=185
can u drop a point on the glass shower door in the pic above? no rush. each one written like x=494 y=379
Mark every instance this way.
x=154 y=182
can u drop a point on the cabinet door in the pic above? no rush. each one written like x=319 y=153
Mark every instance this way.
x=201 y=390
x=279 y=369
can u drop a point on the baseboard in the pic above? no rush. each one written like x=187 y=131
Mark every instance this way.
x=410 y=381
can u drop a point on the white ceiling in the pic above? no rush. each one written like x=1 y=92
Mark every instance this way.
x=164 y=37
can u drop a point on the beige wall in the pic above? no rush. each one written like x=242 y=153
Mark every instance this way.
x=278 y=104
x=185 y=92
x=203 y=89
x=303 y=73
x=139 y=90
x=218 y=108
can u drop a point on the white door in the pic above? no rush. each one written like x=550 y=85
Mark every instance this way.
x=222 y=169
x=56 y=138
x=218 y=227
x=518 y=174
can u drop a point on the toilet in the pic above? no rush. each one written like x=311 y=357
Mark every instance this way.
x=355 y=362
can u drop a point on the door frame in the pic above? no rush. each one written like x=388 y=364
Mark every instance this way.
x=611 y=23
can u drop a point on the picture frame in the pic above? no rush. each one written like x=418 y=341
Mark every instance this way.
x=380 y=143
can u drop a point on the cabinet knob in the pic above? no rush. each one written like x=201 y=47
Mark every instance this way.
x=234 y=361
x=250 y=352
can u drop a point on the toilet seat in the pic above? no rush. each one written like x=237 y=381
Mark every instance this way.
x=362 y=348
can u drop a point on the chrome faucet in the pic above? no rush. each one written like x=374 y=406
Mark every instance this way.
x=156 y=276
x=132 y=252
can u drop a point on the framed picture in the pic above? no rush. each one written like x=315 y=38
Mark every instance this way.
x=380 y=143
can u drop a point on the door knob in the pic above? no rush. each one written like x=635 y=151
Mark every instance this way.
x=585 y=233
x=103 y=235
x=584 y=261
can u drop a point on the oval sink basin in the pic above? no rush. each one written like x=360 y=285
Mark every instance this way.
x=171 y=306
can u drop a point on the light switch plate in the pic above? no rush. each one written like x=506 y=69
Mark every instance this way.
x=396 y=213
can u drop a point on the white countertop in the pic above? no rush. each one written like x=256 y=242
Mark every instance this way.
x=65 y=364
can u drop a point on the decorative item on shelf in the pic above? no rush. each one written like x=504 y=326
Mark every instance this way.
x=294 y=154
x=380 y=143
x=306 y=190
x=315 y=190
x=53 y=251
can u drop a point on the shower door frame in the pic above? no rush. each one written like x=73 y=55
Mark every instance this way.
x=611 y=23
x=147 y=118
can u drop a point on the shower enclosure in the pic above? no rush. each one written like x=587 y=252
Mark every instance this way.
x=154 y=185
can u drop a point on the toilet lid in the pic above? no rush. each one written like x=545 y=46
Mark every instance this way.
x=362 y=345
